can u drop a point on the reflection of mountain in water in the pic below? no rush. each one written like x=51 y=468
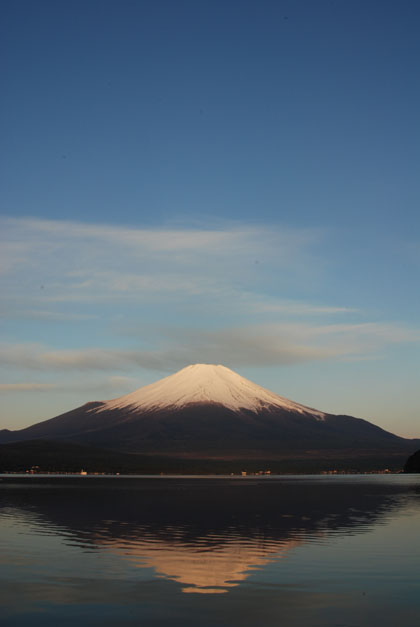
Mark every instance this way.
x=206 y=534
x=202 y=568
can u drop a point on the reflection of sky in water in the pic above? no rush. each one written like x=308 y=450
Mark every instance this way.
x=323 y=562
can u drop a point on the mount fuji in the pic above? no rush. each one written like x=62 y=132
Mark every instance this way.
x=210 y=412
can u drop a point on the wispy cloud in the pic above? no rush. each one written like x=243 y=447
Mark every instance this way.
x=32 y=232
x=260 y=345
x=47 y=261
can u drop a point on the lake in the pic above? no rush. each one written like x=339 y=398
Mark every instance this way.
x=321 y=551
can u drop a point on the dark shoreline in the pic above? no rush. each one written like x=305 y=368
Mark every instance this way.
x=39 y=456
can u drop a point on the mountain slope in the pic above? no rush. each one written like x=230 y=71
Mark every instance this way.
x=210 y=411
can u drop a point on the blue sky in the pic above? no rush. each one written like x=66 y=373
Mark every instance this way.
x=225 y=182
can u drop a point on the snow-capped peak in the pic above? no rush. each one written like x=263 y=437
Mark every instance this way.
x=205 y=383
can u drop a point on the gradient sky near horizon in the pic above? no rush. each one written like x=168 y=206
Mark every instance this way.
x=231 y=182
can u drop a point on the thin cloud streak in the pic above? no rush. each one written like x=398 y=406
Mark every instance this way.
x=26 y=387
x=53 y=316
x=107 y=384
x=298 y=309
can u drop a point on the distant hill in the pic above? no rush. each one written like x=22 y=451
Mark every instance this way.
x=413 y=463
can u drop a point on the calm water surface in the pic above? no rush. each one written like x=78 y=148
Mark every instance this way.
x=339 y=551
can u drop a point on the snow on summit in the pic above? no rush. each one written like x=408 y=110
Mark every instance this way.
x=205 y=383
